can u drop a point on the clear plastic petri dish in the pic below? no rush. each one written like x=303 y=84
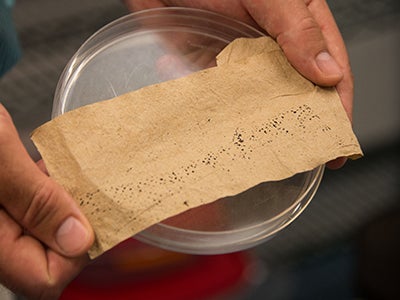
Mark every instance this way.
x=156 y=45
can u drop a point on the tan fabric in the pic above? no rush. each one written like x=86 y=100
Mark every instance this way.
x=142 y=157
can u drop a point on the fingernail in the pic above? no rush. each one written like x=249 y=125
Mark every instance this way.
x=327 y=64
x=72 y=236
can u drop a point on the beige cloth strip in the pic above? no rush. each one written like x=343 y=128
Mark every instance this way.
x=142 y=157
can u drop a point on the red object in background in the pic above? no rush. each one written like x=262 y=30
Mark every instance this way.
x=134 y=270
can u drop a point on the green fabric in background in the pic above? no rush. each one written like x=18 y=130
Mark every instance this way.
x=9 y=46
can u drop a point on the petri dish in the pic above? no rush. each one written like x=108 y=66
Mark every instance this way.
x=156 y=45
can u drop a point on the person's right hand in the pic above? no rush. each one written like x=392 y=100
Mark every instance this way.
x=43 y=235
x=305 y=30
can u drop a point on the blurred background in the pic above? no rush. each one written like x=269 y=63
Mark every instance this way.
x=346 y=243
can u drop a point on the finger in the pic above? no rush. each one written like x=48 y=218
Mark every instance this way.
x=30 y=269
x=337 y=163
x=291 y=23
x=321 y=12
x=35 y=201
x=335 y=43
x=307 y=33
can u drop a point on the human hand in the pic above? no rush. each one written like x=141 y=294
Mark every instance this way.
x=305 y=30
x=43 y=234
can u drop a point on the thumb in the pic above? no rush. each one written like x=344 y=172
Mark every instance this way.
x=35 y=201
x=295 y=29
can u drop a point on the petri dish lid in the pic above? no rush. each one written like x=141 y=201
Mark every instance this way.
x=156 y=45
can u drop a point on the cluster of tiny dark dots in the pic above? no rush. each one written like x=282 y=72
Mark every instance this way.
x=276 y=126
x=240 y=144
x=190 y=169
x=302 y=113
x=306 y=115
x=210 y=159
x=326 y=128
x=88 y=200
x=238 y=149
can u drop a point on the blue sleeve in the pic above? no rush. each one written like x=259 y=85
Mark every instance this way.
x=9 y=47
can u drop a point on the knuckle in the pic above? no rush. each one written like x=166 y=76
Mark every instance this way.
x=303 y=41
x=306 y=29
x=41 y=208
x=307 y=24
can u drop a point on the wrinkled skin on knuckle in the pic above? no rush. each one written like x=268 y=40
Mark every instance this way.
x=306 y=33
x=42 y=209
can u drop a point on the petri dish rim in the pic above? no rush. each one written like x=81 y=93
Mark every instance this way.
x=109 y=34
